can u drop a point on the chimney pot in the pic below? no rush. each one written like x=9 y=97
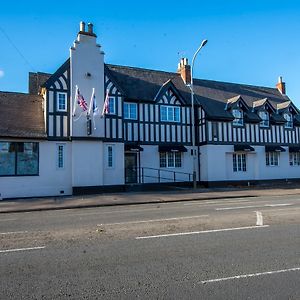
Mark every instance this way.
x=90 y=28
x=82 y=26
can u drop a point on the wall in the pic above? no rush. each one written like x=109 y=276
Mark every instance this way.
x=50 y=180
x=150 y=159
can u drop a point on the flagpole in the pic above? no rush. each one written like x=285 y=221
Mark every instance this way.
x=75 y=99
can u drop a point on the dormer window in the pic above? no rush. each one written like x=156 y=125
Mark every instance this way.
x=265 y=119
x=289 y=120
x=238 y=117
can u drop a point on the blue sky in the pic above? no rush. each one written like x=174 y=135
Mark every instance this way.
x=249 y=42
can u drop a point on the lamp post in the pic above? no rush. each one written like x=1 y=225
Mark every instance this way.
x=191 y=86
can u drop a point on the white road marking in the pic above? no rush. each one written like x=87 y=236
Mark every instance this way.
x=153 y=220
x=6 y=220
x=199 y=232
x=201 y=202
x=259 y=219
x=253 y=206
x=22 y=249
x=250 y=275
x=12 y=232
x=279 y=204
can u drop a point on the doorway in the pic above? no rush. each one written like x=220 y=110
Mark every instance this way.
x=131 y=173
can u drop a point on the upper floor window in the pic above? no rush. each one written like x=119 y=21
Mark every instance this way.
x=61 y=101
x=130 y=111
x=110 y=108
x=272 y=158
x=18 y=158
x=170 y=113
x=265 y=118
x=238 y=117
x=289 y=120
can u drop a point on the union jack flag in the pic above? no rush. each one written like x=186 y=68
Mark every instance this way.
x=81 y=101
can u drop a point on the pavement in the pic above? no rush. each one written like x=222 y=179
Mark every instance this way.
x=134 y=198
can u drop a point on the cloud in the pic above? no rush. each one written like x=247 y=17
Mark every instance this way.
x=1 y=73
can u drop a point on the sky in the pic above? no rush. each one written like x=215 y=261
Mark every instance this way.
x=250 y=42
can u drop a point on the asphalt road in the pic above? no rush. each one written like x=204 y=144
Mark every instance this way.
x=246 y=248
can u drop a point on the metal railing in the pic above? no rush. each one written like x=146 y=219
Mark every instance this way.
x=159 y=175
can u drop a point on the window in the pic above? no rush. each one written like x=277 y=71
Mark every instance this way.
x=61 y=101
x=214 y=130
x=111 y=106
x=60 y=156
x=238 y=117
x=289 y=120
x=170 y=113
x=110 y=156
x=294 y=158
x=265 y=120
x=19 y=159
x=239 y=162
x=170 y=159
x=130 y=111
x=272 y=158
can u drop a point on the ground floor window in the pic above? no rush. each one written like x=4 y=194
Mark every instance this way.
x=294 y=158
x=272 y=158
x=60 y=156
x=19 y=158
x=239 y=162
x=170 y=159
x=109 y=154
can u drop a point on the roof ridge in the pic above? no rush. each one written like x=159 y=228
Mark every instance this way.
x=142 y=69
x=9 y=92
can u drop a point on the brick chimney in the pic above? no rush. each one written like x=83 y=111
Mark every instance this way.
x=281 y=86
x=184 y=69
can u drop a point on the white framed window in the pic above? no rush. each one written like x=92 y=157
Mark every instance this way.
x=110 y=156
x=238 y=117
x=170 y=159
x=289 y=120
x=130 y=111
x=61 y=101
x=294 y=158
x=272 y=158
x=169 y=113
x=239 y=162
x=60 y=160
x=111 y=106
x=265 y=118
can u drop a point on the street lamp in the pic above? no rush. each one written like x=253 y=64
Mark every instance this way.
x=191 y=86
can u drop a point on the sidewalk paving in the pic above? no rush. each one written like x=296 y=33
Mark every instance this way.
x=133 y=198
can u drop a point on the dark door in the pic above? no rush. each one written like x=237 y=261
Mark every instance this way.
x=130 y=168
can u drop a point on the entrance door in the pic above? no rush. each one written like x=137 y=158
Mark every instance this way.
x=130 y=167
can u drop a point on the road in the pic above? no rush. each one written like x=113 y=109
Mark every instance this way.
x=245 y=248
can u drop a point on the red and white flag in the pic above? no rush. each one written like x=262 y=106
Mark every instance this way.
x=105 y=109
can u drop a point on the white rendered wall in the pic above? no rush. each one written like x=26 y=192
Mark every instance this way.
x=114 y=175
x=86 y=57
x=87 y=163
x=150 y=159
x=50 y=181
x=216 y=165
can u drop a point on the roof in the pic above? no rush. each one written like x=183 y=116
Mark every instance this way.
x=36 y=80
x=143 y=85
x=21 y=115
